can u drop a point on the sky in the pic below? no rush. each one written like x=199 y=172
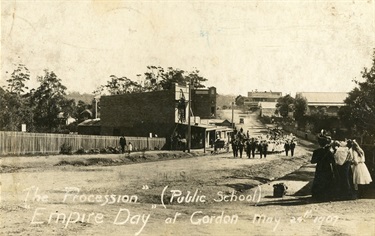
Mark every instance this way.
x=239 y=46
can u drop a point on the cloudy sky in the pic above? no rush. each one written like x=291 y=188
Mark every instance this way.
x=239 y=46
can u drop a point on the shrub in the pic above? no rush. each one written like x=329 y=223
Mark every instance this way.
x=65 y=149
x=81 y=151
x=94 y=151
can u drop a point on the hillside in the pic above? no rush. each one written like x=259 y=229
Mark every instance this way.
x=226 y=100
x=85 y=97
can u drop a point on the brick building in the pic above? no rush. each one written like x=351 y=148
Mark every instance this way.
x=204 y=102
x=162 y=113
x=138 y=114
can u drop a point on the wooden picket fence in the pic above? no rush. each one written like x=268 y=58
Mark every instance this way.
x=20 y=143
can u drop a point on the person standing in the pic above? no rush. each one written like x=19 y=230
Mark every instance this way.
x=130 y=148
x=122 y=143
x=253 y=146
x=324 y=179
x=260 y=149
x=265 y=148
x=241 y=140
x=343 y=166
x=286 y=147
x=292 y=147
x=234 y=143
x=361 y=175
x=248 y=148
x=183 y=143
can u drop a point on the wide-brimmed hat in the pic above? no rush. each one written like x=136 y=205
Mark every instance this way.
x=324 y=139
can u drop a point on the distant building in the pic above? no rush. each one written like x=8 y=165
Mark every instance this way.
x=66 y=120
x=254 y=98
x=330 y=101
x=89 y=127
x=86 y=114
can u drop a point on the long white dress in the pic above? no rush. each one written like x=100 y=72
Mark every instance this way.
x=361 y=175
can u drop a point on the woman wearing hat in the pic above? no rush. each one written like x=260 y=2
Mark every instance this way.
x=323 y=185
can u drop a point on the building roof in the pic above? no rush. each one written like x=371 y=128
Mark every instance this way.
x=87 y=111
x=209 y=127
x=324 y=98
x=90 y=122
x=265 y=94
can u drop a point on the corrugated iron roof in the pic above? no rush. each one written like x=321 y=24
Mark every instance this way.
x=90 y=122
x=324 y=97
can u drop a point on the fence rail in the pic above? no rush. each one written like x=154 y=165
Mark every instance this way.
x=19 y=143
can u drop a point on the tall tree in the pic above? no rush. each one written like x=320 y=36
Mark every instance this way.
x=153 y=78
x=171 y=76
x=118 y=85
x=49 y=99
x=196 y=79
x=16 y=82
x=14 y=107
x=156 y=78
x=300 y=109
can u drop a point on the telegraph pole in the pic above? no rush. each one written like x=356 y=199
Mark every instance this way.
x=232 y=115
x=96 y=108
x=189 y=125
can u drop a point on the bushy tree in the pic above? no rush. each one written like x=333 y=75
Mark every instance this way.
x=285 y=105
x=360 y=110
x=156 y=78
x=240 y=100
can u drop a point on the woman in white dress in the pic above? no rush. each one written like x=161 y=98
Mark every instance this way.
x=361 y=175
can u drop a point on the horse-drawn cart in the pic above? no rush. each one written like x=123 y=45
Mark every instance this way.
x=220 y=144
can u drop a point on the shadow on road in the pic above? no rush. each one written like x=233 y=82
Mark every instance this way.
x=240 y=187
x=288 y=202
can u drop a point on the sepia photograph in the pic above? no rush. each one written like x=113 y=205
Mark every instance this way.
x=178 y=117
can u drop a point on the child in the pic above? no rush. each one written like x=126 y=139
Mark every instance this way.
x=361 y=175
x=130 y=147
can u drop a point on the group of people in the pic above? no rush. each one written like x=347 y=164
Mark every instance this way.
x=123 y=145
x=340 y=168
x=243 y=142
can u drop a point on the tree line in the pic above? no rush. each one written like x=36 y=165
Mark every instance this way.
x=46 y=108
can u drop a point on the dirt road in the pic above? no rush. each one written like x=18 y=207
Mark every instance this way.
x=206 y=195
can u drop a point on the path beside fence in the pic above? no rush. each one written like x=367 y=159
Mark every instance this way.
x=20 y=143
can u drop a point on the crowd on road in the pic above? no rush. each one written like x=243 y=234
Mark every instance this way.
x=340 y=169
x=244 y=144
